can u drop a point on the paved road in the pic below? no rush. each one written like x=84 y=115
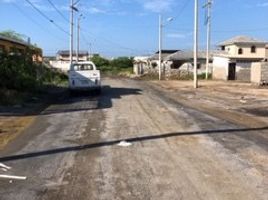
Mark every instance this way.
x=71 y=151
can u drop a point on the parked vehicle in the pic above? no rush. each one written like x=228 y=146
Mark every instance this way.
x=83 y=76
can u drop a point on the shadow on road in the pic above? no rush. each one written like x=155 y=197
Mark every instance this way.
x=64 y=103
x=131 y=140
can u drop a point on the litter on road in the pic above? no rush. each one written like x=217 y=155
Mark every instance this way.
x=124 y=144
x=13 y=177
x=4 y=166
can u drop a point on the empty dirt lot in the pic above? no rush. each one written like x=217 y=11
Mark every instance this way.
x=175 y=143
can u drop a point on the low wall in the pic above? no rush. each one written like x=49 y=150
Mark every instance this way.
x=243 y=74
x=259 y=73
x=62 y=65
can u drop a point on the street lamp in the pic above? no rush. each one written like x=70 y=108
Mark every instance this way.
x=78 y=35
x=161 y=25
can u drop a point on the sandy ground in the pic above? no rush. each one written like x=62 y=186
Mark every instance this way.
x=241 y=103
x=11 y=127
x=177 y=145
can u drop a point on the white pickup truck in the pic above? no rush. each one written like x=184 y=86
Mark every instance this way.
x=83 y=76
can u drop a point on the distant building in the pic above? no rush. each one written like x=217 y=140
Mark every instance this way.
x=13 y=46
x=183 y=60
x=140 y=64
x=62 y=61
x=144 y=64
x=233 y=61
x=64 y=55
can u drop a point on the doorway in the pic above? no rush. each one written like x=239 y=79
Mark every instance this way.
x=232 y=71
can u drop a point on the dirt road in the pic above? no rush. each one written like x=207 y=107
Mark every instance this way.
x=171 y=151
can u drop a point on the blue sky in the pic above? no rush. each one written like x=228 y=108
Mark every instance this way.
x=130 y=27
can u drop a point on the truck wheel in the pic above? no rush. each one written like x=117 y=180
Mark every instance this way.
x=71 y=93
x=98 y=91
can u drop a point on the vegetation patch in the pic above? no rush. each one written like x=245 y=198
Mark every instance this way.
x=122 y=66
x=21 y=78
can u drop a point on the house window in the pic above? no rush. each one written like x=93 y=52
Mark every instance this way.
x=223 y=48
x=240 y=51
x=253 y=49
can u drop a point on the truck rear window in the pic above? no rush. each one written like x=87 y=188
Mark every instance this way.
x=82 y=67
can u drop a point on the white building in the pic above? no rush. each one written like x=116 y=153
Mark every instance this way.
x=233 y=61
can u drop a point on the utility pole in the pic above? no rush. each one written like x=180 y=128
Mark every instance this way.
x=195 y=43
x=78 y=37
x=71 y=30
x=72 y=9
x=208 y=23
x=90 y=50
x=160 y=46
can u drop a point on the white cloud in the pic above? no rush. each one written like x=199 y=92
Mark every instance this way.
x=178 y=35
x=94 y=10
x=265 y=4
x=157 y=5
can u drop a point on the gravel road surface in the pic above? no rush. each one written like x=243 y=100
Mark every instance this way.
x=167 y=150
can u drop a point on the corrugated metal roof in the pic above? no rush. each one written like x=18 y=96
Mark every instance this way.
x=164 y=54
x=187 y=55
x=241 y=39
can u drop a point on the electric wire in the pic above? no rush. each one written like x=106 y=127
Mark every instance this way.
x=36 y=23
x=58 y=11
x=46 y=17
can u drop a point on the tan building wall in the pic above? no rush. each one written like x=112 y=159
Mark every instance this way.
x=13 y=47
x=232 y=50
x=10 y=46
x=259 y=73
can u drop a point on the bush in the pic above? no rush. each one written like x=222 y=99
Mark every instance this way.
x=19 y=72
x=122 y=63
x=115 y=66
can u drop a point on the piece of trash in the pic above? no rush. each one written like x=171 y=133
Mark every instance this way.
x=243 y=101
x=13 y=177
x=124 y=144
x=4 y=166
x=10 y=181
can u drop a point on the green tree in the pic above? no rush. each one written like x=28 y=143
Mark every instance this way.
x=100 y=62
x=122 y=63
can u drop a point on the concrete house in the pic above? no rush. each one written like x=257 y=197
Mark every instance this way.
x=62 y=61
x=140 y=64
x=233 y=61
x=18 y=47
x=183 y=60
x=65 y=55
x=154 y=59
x=144 y=64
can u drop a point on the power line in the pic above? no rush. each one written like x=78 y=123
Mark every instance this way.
x=57 y=10
x=35 y=22
x=113 y=43
x=182 y=9
x=46 y=17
